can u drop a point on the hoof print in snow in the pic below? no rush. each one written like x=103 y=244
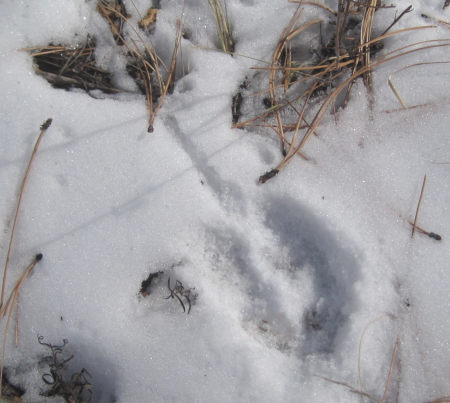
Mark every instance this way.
x=271 y=335
x=262 y=312
x=327 y=260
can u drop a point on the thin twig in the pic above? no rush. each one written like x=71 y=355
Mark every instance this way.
x=396 y=19
x=349 y=387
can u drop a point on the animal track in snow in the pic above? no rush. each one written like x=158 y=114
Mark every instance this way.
x=332 y=267
x=296 y=292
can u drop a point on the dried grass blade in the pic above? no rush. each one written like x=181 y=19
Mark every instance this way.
x=397 y=19
x=391 y=84
x=396 y=93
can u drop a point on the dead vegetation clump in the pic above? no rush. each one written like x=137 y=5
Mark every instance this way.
x=312 y=70
x=71 y=67
x=11 y=392
x=74 y=387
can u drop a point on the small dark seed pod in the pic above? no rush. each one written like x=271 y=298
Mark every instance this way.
x=268 y=175
x=435 y=236
x=46 y=124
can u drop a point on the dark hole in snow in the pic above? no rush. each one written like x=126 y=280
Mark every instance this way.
x=69 y=67
x=146 y=285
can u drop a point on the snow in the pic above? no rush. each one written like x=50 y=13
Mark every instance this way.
x=291 y=275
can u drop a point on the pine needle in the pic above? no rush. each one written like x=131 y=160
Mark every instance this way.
x=8 y=309
x=391 y=369
x=44 y=128
x=418 y=206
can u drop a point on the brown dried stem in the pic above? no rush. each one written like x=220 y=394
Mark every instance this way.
x=391 y=369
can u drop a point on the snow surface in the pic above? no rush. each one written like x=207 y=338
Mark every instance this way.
x=290 y=275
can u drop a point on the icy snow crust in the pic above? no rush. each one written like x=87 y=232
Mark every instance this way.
x=288 y=274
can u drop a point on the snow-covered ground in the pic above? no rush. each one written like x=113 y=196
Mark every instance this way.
x=312 y=275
